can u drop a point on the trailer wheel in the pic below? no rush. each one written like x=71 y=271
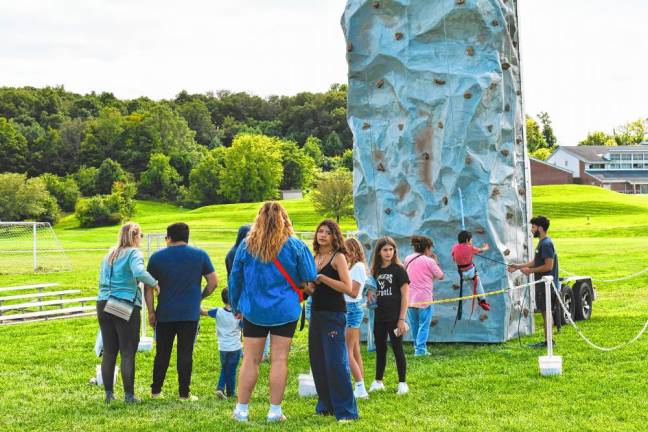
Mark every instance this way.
x=568 y=300
x=583 y=297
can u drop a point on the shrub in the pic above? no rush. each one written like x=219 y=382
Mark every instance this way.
x=65 y=190
x=22 y=198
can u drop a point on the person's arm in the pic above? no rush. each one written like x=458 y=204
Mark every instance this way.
x=150 y=307
x=355 y=289
x=203 y=312
x=544 y=268
x=136 y=264
x=344 y=284
x=212 y=283
x=403 y=309
x=235 y=281
x=437 y=273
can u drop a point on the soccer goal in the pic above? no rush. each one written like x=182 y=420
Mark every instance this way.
x=27 y=247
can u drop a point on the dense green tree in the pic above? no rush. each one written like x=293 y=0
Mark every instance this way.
x=160 y=180
x=541 y=154
x=547 y=130
x=22 y=198
x=298 y=167
x=205 y=180
x=347 y=159
x=64 y=189
x=86 y=178
x=313 y=148
x=534 y=137
x=598 y=138
x=108 y=173
x=252 y=169
x=632 y=133
x=332 y=145
x=14 y=151
x=198 y=118
x=333 y=196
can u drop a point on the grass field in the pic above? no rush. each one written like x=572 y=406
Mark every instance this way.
x=45 y=367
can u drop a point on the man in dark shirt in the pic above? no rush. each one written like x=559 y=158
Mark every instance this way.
x=179 y=268
x=544 y=263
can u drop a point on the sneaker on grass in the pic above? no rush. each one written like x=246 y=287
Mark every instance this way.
x=360 y=392
x=376 y=386
x=191 y=398
x=220 y=394
x=240 y=416
x=403 y=388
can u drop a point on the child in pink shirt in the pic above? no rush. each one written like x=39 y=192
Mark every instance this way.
x=462 y=254
x=422 y=270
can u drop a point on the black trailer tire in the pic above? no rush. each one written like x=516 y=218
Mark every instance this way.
x=583 y=297
x=567 y=296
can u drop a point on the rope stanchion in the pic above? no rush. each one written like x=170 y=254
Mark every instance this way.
x=470 y=297
x=585 y=338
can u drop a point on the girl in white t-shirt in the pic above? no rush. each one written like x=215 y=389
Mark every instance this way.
x=355 y=313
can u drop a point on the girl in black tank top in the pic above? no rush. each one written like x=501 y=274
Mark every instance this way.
x=327 y=350
x=326 y=298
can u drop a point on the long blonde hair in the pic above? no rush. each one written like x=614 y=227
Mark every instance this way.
x=271 y=229
x=127 y=235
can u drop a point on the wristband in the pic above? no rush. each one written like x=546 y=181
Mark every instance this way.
x=401 y=319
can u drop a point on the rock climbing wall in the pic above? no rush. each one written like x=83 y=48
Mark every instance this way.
x=435 y=106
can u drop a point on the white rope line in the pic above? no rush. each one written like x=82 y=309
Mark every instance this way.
x=585 y=338
x=640 y=272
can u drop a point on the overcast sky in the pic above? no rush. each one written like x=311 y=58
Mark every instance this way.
x=584 y=61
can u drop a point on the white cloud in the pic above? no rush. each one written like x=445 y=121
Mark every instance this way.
x=584 y=60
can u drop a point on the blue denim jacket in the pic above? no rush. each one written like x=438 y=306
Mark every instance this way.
x=127 y=270
x=260 y=292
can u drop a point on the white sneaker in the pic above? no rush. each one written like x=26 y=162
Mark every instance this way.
x=361 y=393
x=403 y=388
x=376 y=386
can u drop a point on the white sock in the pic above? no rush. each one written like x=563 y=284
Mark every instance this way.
x=241 y=407
x=275 y=410
x=360 y=384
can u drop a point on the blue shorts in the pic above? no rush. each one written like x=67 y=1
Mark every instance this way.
x=354 y=315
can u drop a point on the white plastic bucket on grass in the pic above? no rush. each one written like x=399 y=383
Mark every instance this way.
x=550 y=365
x=99 y=378
x=306 y=385
x=145 y=344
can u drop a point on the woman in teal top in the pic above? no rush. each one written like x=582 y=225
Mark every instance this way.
x=121 y=271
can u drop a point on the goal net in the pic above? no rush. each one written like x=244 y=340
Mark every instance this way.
x=27 y=247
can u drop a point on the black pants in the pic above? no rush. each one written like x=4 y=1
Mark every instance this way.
x=119 y=336
x=381 y=330
x=165 y=333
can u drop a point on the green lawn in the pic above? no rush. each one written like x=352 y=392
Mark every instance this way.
x=45 y=367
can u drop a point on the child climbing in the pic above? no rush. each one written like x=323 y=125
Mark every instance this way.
x=462 y=254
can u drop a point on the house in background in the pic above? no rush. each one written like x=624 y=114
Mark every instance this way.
x=621 y=169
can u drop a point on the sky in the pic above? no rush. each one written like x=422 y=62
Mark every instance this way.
x=585 y=62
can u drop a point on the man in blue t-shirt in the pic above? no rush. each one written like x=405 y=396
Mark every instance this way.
x=179 y=269
x=545 y=263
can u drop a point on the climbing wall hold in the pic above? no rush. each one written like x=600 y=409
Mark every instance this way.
x=467 y=95
x=504 y=152
x=506 y=65
x=470 y=51
x=380 y=83
x=468 y=160
x=507 y=252
x=365 y=126
x=483 y=317
x=495 y=23
x=490 y=128
x=509 y=215
x=439 y=81
x=440 y=124
x=495 y=193
x=445 y=200
x=507 y=107
x=398 y=35
x=434 y=322
x=401 y=126
x=426 y=155
x=480 y=230
x=388 y=211
x=380 y=167
x=349 y=47
x=376 y=5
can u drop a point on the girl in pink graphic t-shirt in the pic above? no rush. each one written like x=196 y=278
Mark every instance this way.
x=422 y=270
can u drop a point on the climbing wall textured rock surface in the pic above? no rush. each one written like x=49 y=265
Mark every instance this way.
x=436 y=112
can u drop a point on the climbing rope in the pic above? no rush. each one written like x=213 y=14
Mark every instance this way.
x=585 y=338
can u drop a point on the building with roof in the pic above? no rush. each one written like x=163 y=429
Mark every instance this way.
x=621 y=169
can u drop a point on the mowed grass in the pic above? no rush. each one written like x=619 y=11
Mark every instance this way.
x=45 y=367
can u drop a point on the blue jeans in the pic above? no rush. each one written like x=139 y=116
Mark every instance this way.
x=354 y=315
x=419 y=319
x=229 y=362
x=330 y=364
x=371 y=343
x=468 y=277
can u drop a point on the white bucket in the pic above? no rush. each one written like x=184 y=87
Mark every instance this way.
x=306 y=385
x=145 y=344
x=550 y=365
x=99 y=378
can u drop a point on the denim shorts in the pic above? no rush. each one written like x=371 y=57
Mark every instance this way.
x=354 y=314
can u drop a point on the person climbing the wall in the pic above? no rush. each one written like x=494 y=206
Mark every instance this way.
x=544 y=263
x=462 y=254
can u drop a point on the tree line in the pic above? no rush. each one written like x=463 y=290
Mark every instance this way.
x=196 y=149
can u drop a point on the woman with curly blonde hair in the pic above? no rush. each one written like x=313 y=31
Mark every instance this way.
x=270 y=268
